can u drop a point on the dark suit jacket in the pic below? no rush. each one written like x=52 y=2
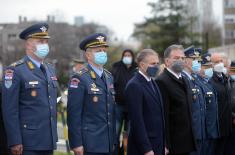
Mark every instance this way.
x=146 y=117
x=222 y=88
x=177 y=99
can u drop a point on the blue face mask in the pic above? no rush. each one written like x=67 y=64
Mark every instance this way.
x=42 y=50
x=152 y=70
x=127 y=60
x=100 y=58
x=196 y=66
x=232 y=77
x=208 y=73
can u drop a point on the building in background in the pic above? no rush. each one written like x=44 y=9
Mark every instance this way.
x=228 y=30
x=202 y=11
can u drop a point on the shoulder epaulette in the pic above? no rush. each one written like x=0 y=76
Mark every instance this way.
x=17 y=63
x=82 y=71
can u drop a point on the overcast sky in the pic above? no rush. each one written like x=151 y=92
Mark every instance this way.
x=118 y=15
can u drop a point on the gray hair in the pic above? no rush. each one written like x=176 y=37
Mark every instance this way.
x=141 y=56
x=169 y=49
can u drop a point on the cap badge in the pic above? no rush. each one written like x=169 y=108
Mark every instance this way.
x=100 y=38
x=43 y=29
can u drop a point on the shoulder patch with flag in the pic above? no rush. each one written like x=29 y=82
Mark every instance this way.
x=8 y=78
x=74 y=83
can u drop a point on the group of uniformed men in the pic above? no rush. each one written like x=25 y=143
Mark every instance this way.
x=29 y=93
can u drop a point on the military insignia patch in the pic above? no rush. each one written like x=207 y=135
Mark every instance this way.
x=74 y=83
x=8 y=78
x=33 y=93
x=93 y=76
x=30 y=64
x=95 y=99
x=9 y=74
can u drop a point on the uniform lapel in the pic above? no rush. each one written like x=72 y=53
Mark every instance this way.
x=147 y=87
x=48 y=75
x=172 y=76
x=95 y=77
x=36 y=71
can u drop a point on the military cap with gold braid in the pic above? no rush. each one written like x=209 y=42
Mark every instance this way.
x=206 y=59
x=38 y=31
x=192 y=52
x=94 y=40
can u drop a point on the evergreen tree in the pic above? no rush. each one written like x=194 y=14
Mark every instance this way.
x=168 y=25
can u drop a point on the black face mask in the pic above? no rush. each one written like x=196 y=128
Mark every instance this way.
x=152 y=70
x=178 y=66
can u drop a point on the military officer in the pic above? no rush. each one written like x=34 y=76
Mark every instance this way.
x=29 y=97
x=91 y=122
x=193 y=67
x=211 y=106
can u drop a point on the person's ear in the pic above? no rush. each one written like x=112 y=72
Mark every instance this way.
x=166 y=62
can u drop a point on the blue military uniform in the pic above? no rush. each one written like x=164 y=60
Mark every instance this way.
x=29 y=100
x=29 y=105
x=91 y=111
x=198 y=105
x=91 y=106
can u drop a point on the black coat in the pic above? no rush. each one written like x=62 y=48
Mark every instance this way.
x=222 y=87
x=146 y=113
x=177 y=99
x=233 y=97
x=121 y=75
x=3 y=139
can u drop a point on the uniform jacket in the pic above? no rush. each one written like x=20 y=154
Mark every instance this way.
x=198 y=106
x=177 y=100
x=3 y=137
x=29 y=105
x=91 y=117
x=146 y=117
x=211 y=107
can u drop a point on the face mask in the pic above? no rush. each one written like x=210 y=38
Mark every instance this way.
x=152 y=70
x=196 y=66
x=127 y=60
x=100 y=58
x=208 y=73
x=219 y=67
x=232 y=77
x=177 y=66
x=42 y=50
x=225 y=70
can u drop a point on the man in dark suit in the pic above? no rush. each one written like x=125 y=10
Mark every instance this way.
x=29 y=96
x=145 y=108
x=177 y=99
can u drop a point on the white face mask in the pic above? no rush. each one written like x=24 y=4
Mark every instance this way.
x=219 y=67
x=225 y=71
x=127 y=60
